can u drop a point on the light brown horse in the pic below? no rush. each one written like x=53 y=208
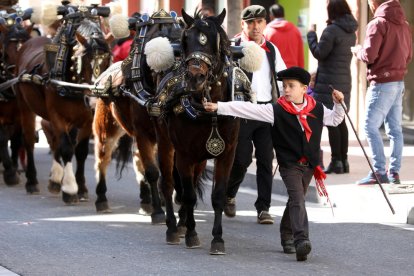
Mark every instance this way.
x=117 y=115
x=12 y=35
x=82 y=54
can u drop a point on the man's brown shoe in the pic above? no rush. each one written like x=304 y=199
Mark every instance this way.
x=230 y=207
x=264 y=218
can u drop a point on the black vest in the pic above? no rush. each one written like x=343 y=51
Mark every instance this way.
x=271 y=58
x=289 y=139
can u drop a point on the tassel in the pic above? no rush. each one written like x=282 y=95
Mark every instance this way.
x=320 y=176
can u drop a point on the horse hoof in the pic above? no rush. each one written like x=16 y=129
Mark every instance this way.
x=181 y=229
x=70 y=199
x=192 y=241
x=173 y=238
x=32 y=189
x=83 y=197
x=102 y=207
x=158 y=218
x=11 y=179
x=146 y=209
x=217 y=248
x=53 y=187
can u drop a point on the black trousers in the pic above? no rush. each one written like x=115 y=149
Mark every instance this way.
x=258 y=134
x=338 y=140
x=294 y=223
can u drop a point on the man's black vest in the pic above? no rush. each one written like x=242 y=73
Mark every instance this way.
x=289 y=139
x=271 y=57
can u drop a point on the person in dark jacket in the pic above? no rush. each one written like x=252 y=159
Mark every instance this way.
x=387 y=50
x=333 y=52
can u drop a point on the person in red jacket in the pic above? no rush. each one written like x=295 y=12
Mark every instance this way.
x=122 y=48
x=286 y=36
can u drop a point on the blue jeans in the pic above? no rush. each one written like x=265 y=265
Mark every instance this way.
x=384 y=105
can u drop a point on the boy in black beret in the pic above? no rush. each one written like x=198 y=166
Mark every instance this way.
x=297 y=121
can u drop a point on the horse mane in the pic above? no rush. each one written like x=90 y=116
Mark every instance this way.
x=16 y=32
x=211 y=29
x=93 y=32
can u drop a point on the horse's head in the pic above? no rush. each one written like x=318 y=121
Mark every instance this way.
x=90 y=54
x=12 y=36
x=205 y=50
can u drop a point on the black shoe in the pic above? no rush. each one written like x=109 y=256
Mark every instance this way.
x=303 y=248
x=288 y=247
x=335 y=167
x=346 y=165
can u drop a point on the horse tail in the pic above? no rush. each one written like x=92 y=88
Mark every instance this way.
x=123 y=154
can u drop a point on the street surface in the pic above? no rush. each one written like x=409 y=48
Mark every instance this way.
x=40 y=235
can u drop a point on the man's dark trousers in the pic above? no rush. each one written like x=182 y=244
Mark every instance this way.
x=260 y=134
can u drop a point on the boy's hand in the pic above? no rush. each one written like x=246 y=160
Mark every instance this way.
x=209 y=106
x=337 y=96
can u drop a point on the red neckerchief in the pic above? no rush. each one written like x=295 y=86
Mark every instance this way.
x=245 y=37
x=288 y=107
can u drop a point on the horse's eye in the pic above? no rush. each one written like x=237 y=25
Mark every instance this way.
x=202 y=39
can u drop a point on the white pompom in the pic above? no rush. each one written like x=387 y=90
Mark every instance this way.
x=118 y=25
x=253 y=56
x=160 y=54
x=48 y=13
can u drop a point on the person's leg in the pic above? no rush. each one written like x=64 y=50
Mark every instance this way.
x=393 y=129
x=242 y=160
x=377 y=106
x=344 y=134
x=335 y=166
x=297 y=179
x=262 y=140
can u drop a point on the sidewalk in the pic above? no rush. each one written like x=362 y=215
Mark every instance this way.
x=342 y=189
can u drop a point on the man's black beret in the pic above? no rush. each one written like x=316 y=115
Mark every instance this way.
x=253 y=12
x=294 y=73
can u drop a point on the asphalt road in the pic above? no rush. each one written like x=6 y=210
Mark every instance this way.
x=39 y=235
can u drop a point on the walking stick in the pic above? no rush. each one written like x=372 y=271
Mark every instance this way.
x=366 y=156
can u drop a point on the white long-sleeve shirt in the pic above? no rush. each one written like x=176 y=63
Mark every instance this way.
x=264 y=112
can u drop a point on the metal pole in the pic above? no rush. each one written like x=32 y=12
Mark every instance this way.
x=366 y=156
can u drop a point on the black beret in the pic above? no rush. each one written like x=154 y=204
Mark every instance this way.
x=253 y=12
x=294 y=73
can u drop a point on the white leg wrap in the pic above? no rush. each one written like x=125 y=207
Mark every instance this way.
x=69 y=184
x=56 y=172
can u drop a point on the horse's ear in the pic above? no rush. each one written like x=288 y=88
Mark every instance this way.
x=187 y=18
x=221 y=16
x=82 y=40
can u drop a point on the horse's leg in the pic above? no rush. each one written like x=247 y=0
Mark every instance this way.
x=56 y=171
x=81 y=153
x=10 y=175
x=166 y=163
x=106 y=135
x=66 y=150
x=146 y=149
x=28 y=119
x=16 y=146
x=145 y=192
x=189 y=198
x=221 y=177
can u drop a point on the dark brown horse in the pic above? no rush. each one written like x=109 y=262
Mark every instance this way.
x=117 y=115
x=77 y=54
x=196 y=135
x=12 y=35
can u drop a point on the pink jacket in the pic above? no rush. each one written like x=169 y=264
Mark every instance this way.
x=288 y=40
x=387 y=48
